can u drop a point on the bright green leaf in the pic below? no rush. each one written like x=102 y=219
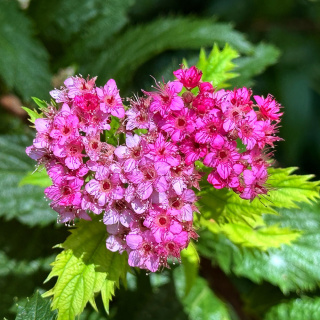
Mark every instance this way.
x=217 y=66
x=290 y=267
x=33 y=114
x=36 y=178
x=286 y=191
x=262 y=236
x=36 y=308
x=295 y=309
x=190 y=264
x=85 y=268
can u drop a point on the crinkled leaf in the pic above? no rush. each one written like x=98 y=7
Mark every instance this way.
x=217 y=66
x=257 y=236
x=295 y=309
x=25 y=203
x=36 y=178
x=264 y=55
x=286 y=191
x=24 y=63
x=88 y=24
x=139 y=44
x=85 y=268
x=190 y=264
x=36 y=308
x=201 y=302
x=290 y=267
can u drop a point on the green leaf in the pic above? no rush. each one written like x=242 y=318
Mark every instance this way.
x=290 y=267
x=127 y=52
x=36 y=308
x=111 y=135
x=217 y=66
x=33 y=114
x=36 y=178
x=80 y=26
x=85 y=268
x=201 y=302
x=190 y=264
x=285 y=191
x=25 y=203
x=40 y=103
x=264 y=55
x=24 y=63
x=296 y=309
x=259 y=236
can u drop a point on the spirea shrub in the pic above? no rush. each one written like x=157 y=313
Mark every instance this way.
x=137 y=162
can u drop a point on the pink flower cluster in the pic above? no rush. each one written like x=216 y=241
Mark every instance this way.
x=144 y=188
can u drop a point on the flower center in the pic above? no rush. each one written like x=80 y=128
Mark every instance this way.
x=66 y=191
x=149 y=173
x=176 y=203
x=65 y=130
x=106 y=185
x=180 y=123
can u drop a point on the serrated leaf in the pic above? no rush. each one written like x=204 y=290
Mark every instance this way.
x=290 y=267
x=88 y=24
x=136 y=46
x=260 y=236
x=36 y=178
x=24 y=63
x=264 y=55
x=25 y=203
x=217 y=66
x=285 y=191
x=296 y=309
x=36 y=308
x=190 y=264
x=33 y=114
x=201 y=302
x=84 y=268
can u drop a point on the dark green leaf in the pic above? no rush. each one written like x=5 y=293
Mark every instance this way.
x=25 y=203
x=23 y=60
x=263 y=56
x=36 y=308
x=136 y=46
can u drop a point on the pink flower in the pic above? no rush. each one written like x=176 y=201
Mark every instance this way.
x=193 y=150
x=111 y=101
x=163 y=151
x=179 y=124
x=269 y=108
x=71 y=152
x=223 y=159
x=189 y=77
x=64 y=192
x=166 y=99
x=77 y=86
x=107 y=189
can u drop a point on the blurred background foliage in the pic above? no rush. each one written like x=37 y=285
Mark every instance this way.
x=42 y=42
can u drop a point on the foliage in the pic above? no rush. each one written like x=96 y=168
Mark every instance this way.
x=25 y=203
x=36 y=308
x=217 y=66
x=85 y=268
x=271 y=241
